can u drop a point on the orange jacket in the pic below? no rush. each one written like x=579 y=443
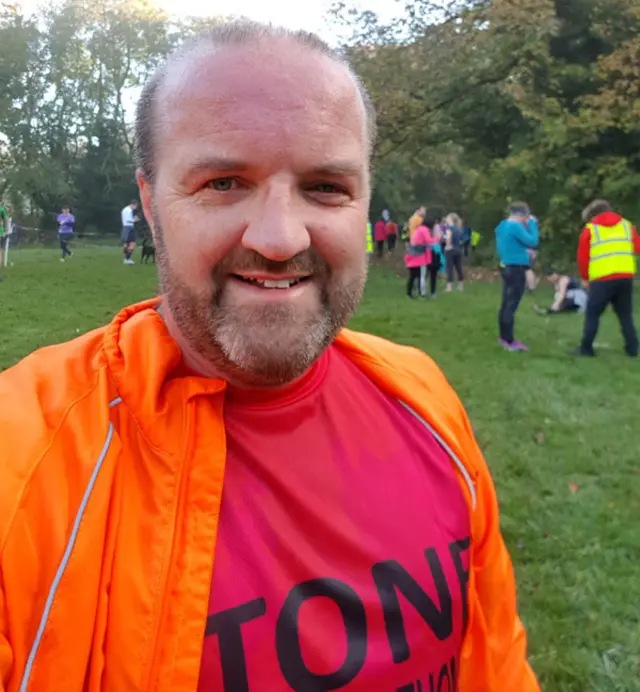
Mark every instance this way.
x=109 y=502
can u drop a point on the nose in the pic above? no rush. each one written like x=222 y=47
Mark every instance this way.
x=277 y=230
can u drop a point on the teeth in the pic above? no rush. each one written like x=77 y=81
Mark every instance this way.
x=268 y=283
x=276 y=284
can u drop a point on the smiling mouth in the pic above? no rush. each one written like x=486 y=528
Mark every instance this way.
x=272 y=283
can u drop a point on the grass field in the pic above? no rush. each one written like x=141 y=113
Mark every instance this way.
x=560 y=435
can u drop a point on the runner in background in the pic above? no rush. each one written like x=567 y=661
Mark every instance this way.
x=129 y=219
x=66 y=225
x=418 y=258
x=437 y=257
x=392 y=235
x=531 y=278
x=465 y=234
x=380 y=236
x=4 y=220
x=453 y=251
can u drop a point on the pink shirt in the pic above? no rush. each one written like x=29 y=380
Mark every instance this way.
x=342 y=557
x=421 y=236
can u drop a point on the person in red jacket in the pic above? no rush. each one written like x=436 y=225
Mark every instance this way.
x=380 y=236
x=392 y=235
x=606 y=258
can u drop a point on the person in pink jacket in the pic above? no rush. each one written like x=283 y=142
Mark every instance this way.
x=417 y=259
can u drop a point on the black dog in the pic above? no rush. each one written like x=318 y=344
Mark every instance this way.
x=148 y=249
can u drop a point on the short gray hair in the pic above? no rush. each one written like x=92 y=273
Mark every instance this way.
x=235 y=33
x=595 y=208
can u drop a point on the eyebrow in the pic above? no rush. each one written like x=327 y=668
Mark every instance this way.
x=223 y=164
x=214 y=163
x=338 y=169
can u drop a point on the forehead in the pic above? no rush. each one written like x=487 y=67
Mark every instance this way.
x=272 y=100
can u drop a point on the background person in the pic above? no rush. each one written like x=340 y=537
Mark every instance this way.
x=453 y=251
x=606 y=258
x=66 y=226
x=392 y=235
x=515 y=236
x=465 y=233
x=370 y=243
x=4 y=221
x=129 y=219
x=417 y=220
x=569 y=295
x=532 y=280
x=417 y=259
x=436 y=261
x=380 y=236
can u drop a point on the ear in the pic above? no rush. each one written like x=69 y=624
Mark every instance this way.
x=146 y=198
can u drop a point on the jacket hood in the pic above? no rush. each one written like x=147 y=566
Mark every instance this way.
x=607 y=218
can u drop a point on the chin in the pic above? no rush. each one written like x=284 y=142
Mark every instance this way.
x=273 y=357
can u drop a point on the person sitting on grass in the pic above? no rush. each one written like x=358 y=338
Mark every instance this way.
x=570 y=296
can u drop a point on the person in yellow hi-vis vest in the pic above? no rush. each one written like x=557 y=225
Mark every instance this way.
x=606 y=258
x=369 y=240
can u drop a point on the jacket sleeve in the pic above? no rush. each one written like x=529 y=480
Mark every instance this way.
x=529 y=236
x=636 y=240
x=584 y=253
x=494 y=658
x=6 y=655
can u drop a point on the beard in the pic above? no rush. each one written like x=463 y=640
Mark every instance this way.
x=265 y=345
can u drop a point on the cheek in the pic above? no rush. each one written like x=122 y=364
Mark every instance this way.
x=197 y=237
x=342 y=243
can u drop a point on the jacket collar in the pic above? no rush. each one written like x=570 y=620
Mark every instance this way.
x=141 y=354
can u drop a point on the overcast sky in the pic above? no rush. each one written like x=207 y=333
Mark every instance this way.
x=296 y=14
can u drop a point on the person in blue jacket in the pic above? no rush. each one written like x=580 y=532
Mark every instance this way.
x=515 y=236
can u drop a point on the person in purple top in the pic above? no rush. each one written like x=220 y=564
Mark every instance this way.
x=66 y=224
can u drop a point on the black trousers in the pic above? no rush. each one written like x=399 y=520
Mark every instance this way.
x=379 y=247
x=433 y=270
x=618 y=293
x=513 y=284
x=453 y=260
x=64 y=243
x=414 y=275
x=391 y=241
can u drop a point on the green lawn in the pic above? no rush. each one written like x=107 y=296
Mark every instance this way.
x=544 y=420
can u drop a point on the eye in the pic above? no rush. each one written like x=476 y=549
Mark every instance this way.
x=328 y=189
x=222 y=184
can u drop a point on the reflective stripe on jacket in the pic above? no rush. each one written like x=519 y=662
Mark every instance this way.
x=112 y=477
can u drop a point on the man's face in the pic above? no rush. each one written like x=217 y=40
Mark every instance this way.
x=65 y=210
x=553 y=278
x=259 y=207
